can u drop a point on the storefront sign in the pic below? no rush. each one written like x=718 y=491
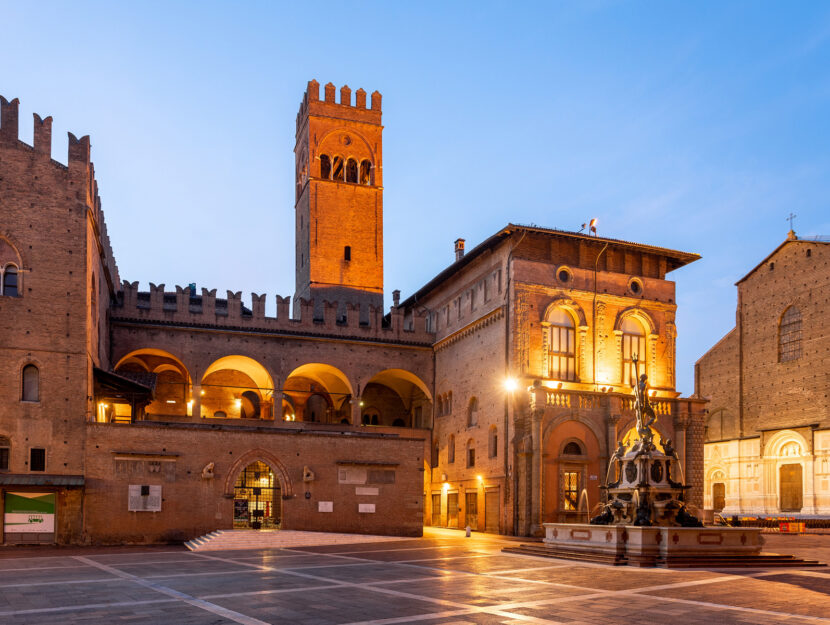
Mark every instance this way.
x=29 y=513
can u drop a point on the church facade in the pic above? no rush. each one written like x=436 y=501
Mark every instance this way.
x=490 y=398
x=767 y=450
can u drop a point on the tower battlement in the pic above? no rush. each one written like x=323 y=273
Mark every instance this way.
x=77 y=177
x=342 y=109
x=319 y=318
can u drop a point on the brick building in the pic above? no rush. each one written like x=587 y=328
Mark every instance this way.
x=129 y=415
x=767 y=448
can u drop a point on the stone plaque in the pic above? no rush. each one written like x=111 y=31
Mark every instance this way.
x=325 y=506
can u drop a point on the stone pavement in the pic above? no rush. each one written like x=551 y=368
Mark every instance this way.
x=442 y=578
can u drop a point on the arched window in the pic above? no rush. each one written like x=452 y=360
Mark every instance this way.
x=633 y=344
x=572 y=449
x=351 y=170
x=435 y=450
x=325 y=167
x=366 y=172
x=493 y=441
x=472 y=412
x=10 y=281
x=789 y=335
x=451 y=448
x=471 y=454
x=448 y=403
x=562 y=350
x=5 y=452
x=31 y=383
x=337 y=169
x=439 y=406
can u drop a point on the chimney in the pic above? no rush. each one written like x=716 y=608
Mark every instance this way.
x=396 y=298
x=459 y=249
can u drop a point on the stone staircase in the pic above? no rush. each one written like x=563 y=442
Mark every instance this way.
x=221 y=540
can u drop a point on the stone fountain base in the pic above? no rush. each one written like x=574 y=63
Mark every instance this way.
x=670 y=547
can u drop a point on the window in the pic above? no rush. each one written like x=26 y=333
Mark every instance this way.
x=635 y=286
x=325 y=167
x=570 y=490
x=493 y=441
x=347 y=252
x=435 y=451
x=31 y=384
x=564 y=275
x=789 y=335
x=37 y=459
x=562 y=349
x=365 y=172
x=337 y=169
x=5 y=452
x=472 y=412
x=10 y=281
x=572 y=449
x=351 y=170
x=471 y=454
x=633 y=344
x=451 y=449
x=448 y=403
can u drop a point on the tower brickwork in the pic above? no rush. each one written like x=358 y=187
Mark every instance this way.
x=339 y=198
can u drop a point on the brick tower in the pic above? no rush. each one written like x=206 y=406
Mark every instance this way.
x=339 y=199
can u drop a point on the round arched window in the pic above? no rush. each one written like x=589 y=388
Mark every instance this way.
x=562 y=346
x=572 y=449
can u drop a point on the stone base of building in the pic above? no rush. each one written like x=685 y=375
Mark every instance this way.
x=670 y=547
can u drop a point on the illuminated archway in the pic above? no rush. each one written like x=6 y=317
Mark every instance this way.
x=165 y=373
x=237 y=387
x=319 y=392
x=399 y=398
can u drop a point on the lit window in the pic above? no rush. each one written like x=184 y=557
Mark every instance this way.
x=570 y=489
x=633 y=344
x=562 y=350
x=789 y=335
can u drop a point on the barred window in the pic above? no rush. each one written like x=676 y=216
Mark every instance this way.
x=570 y=489
x=789 y=335
x=562 y=351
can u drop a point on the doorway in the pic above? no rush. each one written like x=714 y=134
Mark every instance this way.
x=471 y=509
x=791 y=485
x=491 y=510
x=718 y=496
x=436 y=509
x=257 y=500
x=452 y=509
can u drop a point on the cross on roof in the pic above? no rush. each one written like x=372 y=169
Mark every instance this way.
x=790 y=219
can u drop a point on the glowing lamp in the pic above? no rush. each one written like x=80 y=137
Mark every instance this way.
x=510 y=384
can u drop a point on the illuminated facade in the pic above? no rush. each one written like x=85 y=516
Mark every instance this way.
x=165 y=414
x=767 y=450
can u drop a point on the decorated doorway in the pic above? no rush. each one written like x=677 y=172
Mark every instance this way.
x=257 y=500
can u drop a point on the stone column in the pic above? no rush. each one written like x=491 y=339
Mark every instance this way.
x=196 y=411
x=276 y=407
x=356 y=412
x=651 y=350
x=545 y=368
x=582 y=371
x=536 y=471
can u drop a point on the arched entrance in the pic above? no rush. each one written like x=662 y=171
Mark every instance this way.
x=257 y=498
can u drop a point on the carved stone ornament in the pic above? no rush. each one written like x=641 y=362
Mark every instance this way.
x=631 y=472
x=207 y=472
x=657 y=471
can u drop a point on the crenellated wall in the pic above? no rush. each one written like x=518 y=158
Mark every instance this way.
x=179 y=307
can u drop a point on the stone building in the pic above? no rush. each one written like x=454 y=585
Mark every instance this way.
x=130 y=415
x=767 y=450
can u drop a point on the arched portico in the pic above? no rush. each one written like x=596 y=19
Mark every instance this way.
x=236 y=386
x=318 y=392
x=166 y=374
x=396 y=397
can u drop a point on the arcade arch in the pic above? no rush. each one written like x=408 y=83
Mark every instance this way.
x=236 y=387
x=318 y=393
x=163 y=372
x=398 y=398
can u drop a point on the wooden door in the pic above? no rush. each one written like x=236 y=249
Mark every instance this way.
x=491 y=510
x=790 y=499
x=452 y=509
x=436 y=509
x=718 y=496
x=471 y=509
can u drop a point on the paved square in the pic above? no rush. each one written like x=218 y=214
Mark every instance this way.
x=442 y=579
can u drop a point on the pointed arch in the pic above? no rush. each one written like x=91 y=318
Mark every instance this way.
x=266 y=457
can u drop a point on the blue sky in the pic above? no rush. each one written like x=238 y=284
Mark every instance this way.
x=697 y=126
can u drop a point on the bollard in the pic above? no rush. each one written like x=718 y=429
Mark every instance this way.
x=469 y=531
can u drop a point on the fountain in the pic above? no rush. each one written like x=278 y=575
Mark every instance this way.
x=644 y=519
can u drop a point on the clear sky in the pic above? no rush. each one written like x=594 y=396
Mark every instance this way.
x=697 y=126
